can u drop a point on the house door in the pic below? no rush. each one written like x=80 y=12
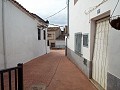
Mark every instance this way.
x=99 y=69
x=52 y=44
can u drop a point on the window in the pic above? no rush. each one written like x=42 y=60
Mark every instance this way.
x=44 y=34
x=78 y=39
x=75 y=1
x=49 y=35
x=52 y=44
x=39 y=34
x=48 y=43
x=85 y=40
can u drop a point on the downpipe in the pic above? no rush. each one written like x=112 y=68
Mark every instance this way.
x=67 y=26
x=3 y=30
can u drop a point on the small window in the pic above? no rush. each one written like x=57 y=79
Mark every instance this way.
x=75 y=1
x=49 y=35
x=44 y=35
x=85 y=40
x=52 y=44
x=48 y=43
x=39 y=34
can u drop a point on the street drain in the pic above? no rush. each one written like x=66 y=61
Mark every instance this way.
x=38 y=87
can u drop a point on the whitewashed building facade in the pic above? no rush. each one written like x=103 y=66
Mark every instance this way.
x=22 y=35
x=93 y=45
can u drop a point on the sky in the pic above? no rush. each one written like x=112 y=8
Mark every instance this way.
x=46 y=8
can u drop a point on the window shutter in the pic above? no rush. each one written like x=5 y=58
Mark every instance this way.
x=78 y=38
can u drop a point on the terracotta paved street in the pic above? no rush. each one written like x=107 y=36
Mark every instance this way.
x=55 y=72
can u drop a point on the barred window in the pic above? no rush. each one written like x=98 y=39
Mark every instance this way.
x=78 y=40
x=85 y=40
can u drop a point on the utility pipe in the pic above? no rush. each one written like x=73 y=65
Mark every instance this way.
x=3 y=30
x=67 y=26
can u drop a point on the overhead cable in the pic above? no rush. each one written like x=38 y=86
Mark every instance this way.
x=115 y=7
x=56 y=13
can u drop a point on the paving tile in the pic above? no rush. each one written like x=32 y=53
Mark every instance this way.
x=56 y=72
x=52 y=71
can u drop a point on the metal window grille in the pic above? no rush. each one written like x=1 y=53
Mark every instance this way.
x=85 y=40
x=78 y=39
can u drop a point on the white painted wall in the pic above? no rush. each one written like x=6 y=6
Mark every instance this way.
x=60 y=43
x=1 y=39
x=114 y=49
x=79 y=22
x=52 y=35
x=21 y=33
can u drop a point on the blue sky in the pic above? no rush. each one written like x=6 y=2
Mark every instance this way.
x=45 y=8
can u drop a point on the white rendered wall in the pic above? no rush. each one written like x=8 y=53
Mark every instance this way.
x=21 y=33
x=52 y=35
x=114 y=48
x=60 y=43
x=79 y=22
x=1 y=39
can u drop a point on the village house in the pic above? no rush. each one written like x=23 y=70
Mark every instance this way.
x=60 y=41
x=92 y=44
x=23 y=35
x=56 y=38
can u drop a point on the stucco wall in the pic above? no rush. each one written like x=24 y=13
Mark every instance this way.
x=21 y=33
x=83 y=24
x=52 y=35
x=114 y=48
x=60 y=44
x=80 y=22
x=1 y=39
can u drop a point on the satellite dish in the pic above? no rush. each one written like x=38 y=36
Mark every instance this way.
x=115 y=22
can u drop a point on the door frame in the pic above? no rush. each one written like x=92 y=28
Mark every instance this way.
x=92 y=41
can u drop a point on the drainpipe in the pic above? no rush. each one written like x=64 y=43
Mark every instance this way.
x=3 y=30
x=67 y=25
x=46 y=40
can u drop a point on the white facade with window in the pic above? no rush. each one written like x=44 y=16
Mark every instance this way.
x=21 y=42
x=52 y=34
x=99 y=45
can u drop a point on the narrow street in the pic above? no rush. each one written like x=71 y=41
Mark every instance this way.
x=54 y=71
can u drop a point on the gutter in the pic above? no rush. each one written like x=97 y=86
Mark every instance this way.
x=3 y=30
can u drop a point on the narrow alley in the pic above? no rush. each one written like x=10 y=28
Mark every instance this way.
x=54 y=71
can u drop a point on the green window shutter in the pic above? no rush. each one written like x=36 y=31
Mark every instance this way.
x=78 y=38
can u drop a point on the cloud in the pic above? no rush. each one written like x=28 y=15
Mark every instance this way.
x=45 y=8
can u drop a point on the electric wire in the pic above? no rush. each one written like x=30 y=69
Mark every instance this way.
x=115 y=7
x=56 y=13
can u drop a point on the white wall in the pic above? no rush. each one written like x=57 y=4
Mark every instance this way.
x=114 y=49
x=79 y=22
x=52 y=35
x=60 y=43
x=21 y=33
x=1 y=39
